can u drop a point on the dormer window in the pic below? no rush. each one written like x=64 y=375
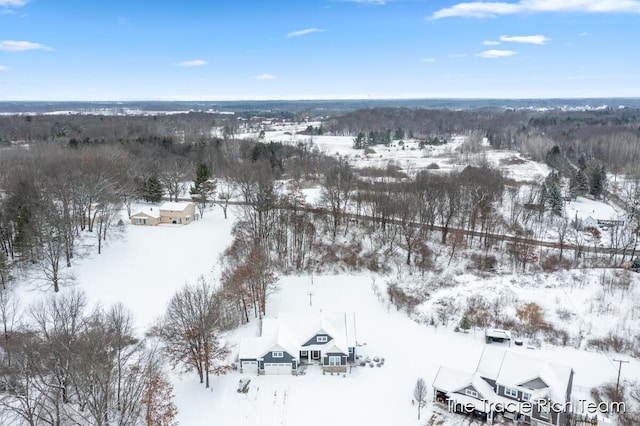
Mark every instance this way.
x=278 y=355
x=511 y=393
x=322 y=339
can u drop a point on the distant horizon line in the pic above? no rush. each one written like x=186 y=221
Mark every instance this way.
x=305 y=99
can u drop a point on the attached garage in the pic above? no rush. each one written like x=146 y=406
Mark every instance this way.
x=277 y=368
x=249 y=367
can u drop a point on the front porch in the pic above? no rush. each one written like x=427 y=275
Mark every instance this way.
x=333 y=362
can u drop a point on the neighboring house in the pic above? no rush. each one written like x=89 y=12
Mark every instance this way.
x=508 y=384
x=586 y=223
x=181 y=213
x=292 y=340
x=497 y=335
x=177 y=212
x=146 y=216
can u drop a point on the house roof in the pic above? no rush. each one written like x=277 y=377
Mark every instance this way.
x=290 y=331
x=147 y=211
x=250 y=346
x=175 y=206
x=498 y=333
x=452 y=381
x=513 y=369
x=518 y=369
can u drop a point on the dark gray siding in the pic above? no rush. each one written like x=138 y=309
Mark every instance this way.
x=470 y=387
x=343 y=359
x=501 y=393
x=286 y=357
x=314 y=340
x=352 y=354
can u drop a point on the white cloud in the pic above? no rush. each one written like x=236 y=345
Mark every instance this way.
x=457 y=55
x=194 y=63
x=13 y=3
x=490 y=43
x=495 y=53
x=583 y=34
x=427 y=60
x=485 y=9
x=3 y=68
x=533 y=39
x=265 y=77
x=304 y=32
x=21 y=46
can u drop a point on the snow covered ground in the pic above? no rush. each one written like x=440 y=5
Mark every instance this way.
x=144 y=269
x=371 y=396
x=149 y=264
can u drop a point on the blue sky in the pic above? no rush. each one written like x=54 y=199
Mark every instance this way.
x=318 y=49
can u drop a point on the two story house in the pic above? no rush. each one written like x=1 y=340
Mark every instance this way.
x=292 y=340
x=511 y=384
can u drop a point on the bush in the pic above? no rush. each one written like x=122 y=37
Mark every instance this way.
x=483 y=263
x=554 y=263
x=433 y=166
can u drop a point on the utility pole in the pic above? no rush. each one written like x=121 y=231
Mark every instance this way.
x=310 y=298
x=620 y=362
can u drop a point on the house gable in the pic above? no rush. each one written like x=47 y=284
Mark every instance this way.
x=535 y=384
x=471 y=392
x=318 y=339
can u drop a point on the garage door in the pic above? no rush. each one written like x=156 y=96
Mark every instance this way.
x=277 y=368
x=249 y=367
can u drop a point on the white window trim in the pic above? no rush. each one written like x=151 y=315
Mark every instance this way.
x=526 y=396
x=510 y=392
x=278 y=354
x=335 y=360
x=544 y=411
x=471 y=393
x=323 y=339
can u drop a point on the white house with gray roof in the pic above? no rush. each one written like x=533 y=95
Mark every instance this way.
x=292 y=340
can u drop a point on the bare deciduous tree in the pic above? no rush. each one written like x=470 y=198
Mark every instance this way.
x=420 y=394
x=190 y=331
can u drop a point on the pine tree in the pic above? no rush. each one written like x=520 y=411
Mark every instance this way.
x=598 y=181
x=552 y=195
x=152 y=191
x=159 y=408
x=203 y=187
x=465 y=324
x=360 y=141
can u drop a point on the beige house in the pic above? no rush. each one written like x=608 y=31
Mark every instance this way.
x=146 y=216
x=181 y=213
x=178 y=213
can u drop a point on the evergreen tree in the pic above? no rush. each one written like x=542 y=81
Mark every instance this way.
x=203 y=188
x=553 y=194
x=360 y=141
x=465 y=324
x=598 y=181
x=152 y=191
x=582 y=182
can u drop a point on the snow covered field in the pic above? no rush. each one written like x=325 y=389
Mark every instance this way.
x=150 y=263
x=145 y=268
